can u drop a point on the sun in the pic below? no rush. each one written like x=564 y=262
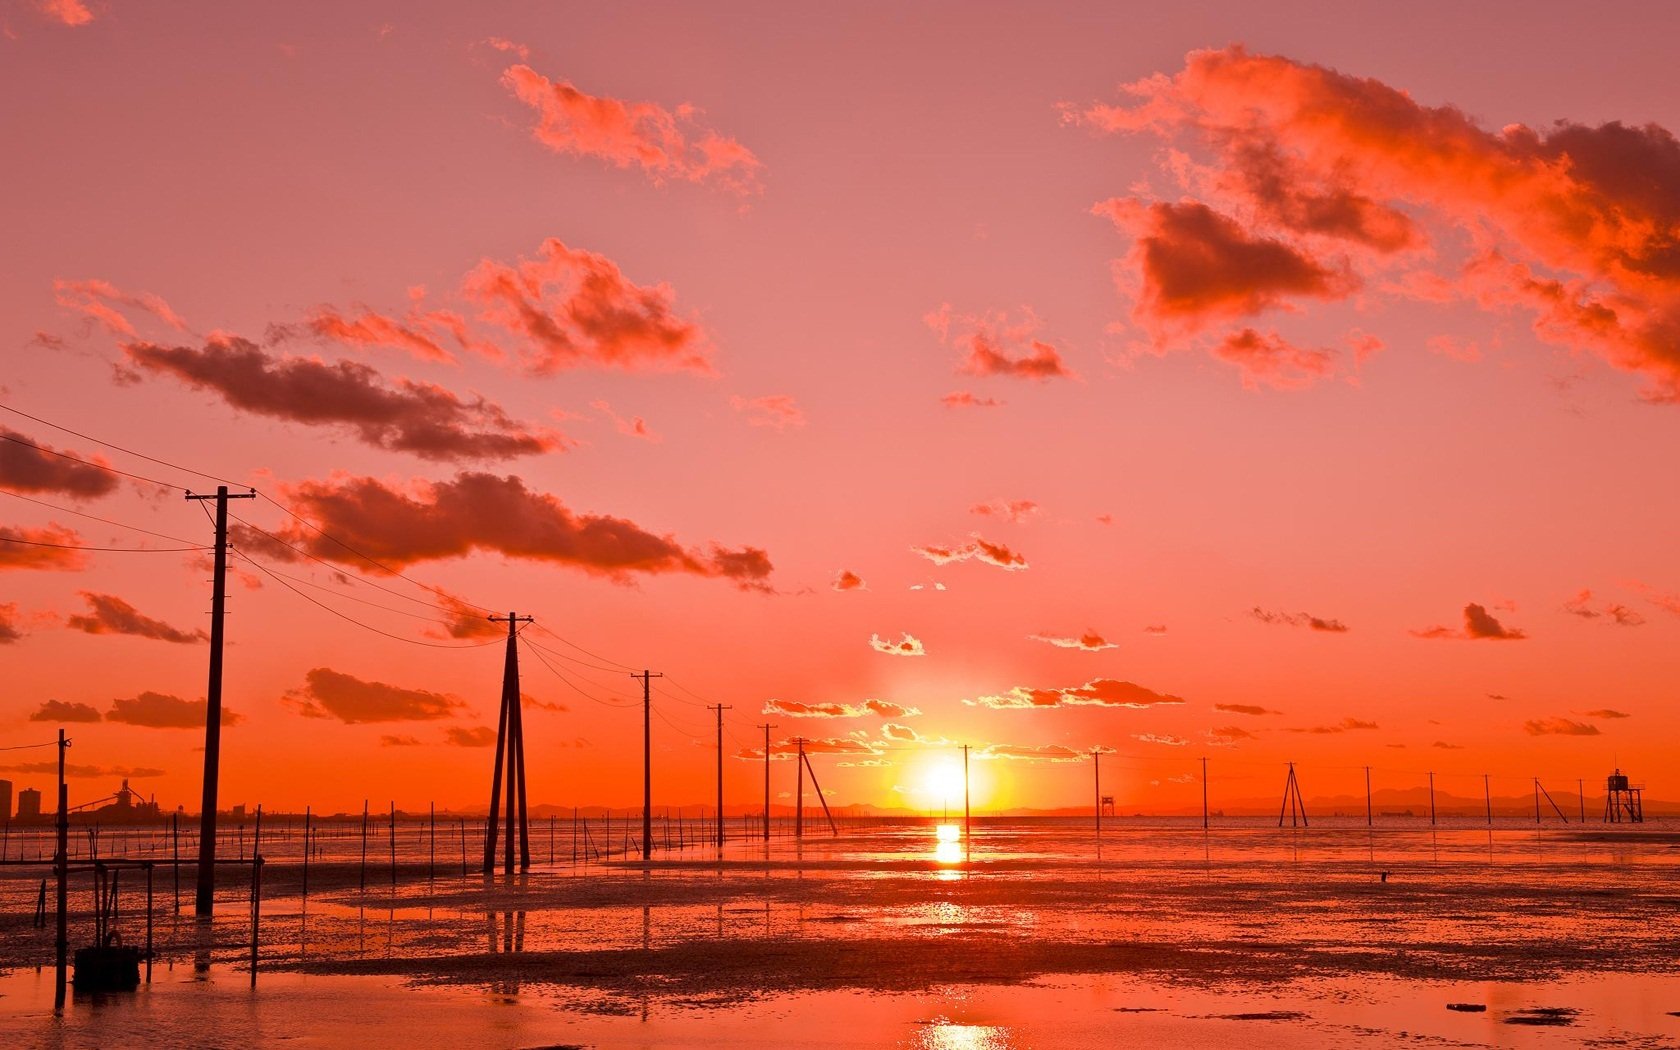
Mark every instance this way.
x=943 y=782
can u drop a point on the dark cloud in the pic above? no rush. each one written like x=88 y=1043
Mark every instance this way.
x=1478 y=624
x=1246 y=709
x=64 y=711
x=968 y=399
x=1559 y=727
x=25 y=467
x=108 y=614
x=333 y=694
x=977 y=549
x=1316 y=623
x=476 y=736
x=849 y=581
x=1099 y=692
x=163 y=711
x=9 y=630
x=1613 y=613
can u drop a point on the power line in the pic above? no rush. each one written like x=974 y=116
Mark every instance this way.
x=352 y=597
x=616 y=665
x=368 y=627
x=119 y=448
x=83 y=547
x=575 y=687
x=91 y=517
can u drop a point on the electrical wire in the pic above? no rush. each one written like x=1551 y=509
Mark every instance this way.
x=367 y=627
x=118 y=448
x=84 y=547
x=90 y=517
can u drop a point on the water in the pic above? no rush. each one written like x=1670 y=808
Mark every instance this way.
x=1033 y=933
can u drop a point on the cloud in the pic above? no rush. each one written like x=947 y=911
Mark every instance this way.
x=1572 y=223
x=100 y=301
x=789 y=748
x=333 y=694
x=1444 y=746
x=888 y=709
x=163 y=711
x=1099 y=692
x=416 y=417
x=70 y=13
x=27 y=465
x=1229 y=735
x=1610 y=612
x=48 y=547
x=1030 y=753
x=800 y=709
x=1198 y=266
x=1014 y=510
x=1661 y=599
x=1316 y=623
x=977 y=549
x=1090 y=641
x=967 y=399
x=417 y=335
x=64 y=711
x=1164 y=739
x=575 y=308
x=398 y=740
x=1607 y=712
x=1478 y=624
x=1346 y=725
x=1246 y=709
x=779 y=411
x=1559 y=727
x=994 y=345
x=899 y=733
x=1271 y=360
x=429 y=520
x=464 y=621
x=476 y=736
x=634 y=426
x=907 y=645
x=9 y=631
x=108 y=614
x=1155 y=629
x=79 y=770
x=849 y=581
x=665 y=144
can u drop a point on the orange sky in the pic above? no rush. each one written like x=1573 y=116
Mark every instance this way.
x=1186 y=383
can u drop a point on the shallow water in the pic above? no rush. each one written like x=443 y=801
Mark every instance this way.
x=1033 y=933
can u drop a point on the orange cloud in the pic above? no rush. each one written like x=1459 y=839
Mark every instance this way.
x=1098 y=692
x=1344 y=726
x=1559 y=727
x=70 y=13
x=977 y=549
x=333 y=694
x=1198 y=265
x=1090 y=641
x=576 y=308
x=48 y=547
x=1478 y=624
x=476 y=736
x=1030 y=753
x=27 y=465
x=800 y=709
x=779 y=411
x=64 y=711
x=849 y=581
x=367 y=328
x=1607 y=712
x=429 y=520
x=9 y=632
x=1273 y=361
x=108 y=614
x=1564 y=227
x=465 y=621
x=966 y=399
x=666 y=144
x=163 y=711
x=100 y=301
x=1015 y=510
x=994 y=345
x=1246 y=709
x=907 y=645
x=634 y=426
x=1610 y=612
x=416 y=417
x=1316 y=623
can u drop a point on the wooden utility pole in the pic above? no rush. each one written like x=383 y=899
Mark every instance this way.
x=1367 y=796
x=720 y=709
x=204 y=902
x=965 y=798
x=1096 y=770
x=62 y=870
x=647 y=759
x=1204 y=794
x=767 y=727
x=1431 y=799
x=799 y=795
x=510 y=748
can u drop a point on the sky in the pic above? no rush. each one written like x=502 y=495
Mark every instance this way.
x=1185 y=381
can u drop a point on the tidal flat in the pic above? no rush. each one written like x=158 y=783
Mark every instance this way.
x=1034 y=932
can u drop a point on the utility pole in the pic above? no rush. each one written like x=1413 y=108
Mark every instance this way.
x=767 y=727
x=1368 y=795
x=1096 y=769
x=63 y=873
x=799 y=795
x=204 y=902
x=965 y=798
x=647 y=759
x=510 y=745
x=720 y=709
x=1204 y=794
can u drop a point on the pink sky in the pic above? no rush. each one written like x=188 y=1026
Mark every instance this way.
x=1254 y=334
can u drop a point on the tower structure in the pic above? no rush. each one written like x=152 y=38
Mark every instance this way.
x=1622 y=802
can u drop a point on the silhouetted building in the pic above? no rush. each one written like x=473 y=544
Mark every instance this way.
x=5 y=800
x=29 y=804
x=123 y=809
x=1622 y=800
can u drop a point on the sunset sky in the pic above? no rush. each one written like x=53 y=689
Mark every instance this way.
x=1255 y=384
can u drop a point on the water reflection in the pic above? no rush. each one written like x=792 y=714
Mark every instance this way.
x=945 y=1035
x=948 y=847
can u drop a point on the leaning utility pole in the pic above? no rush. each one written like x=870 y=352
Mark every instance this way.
x=720 y=709
x=767 y=727
x=204 y=903
x=62 y=870
x=510 y=744
x=647 y=759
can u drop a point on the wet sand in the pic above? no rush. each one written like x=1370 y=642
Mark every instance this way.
x=1259 y=919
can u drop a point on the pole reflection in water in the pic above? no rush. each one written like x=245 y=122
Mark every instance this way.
x=948 y=847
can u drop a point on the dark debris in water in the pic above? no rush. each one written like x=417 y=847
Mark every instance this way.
x=1546 y=1016
x=1263 y=1015
x=1468 y=1008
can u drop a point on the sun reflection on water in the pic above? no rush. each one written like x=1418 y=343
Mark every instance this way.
x=948 y=847
x=946 y=1035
